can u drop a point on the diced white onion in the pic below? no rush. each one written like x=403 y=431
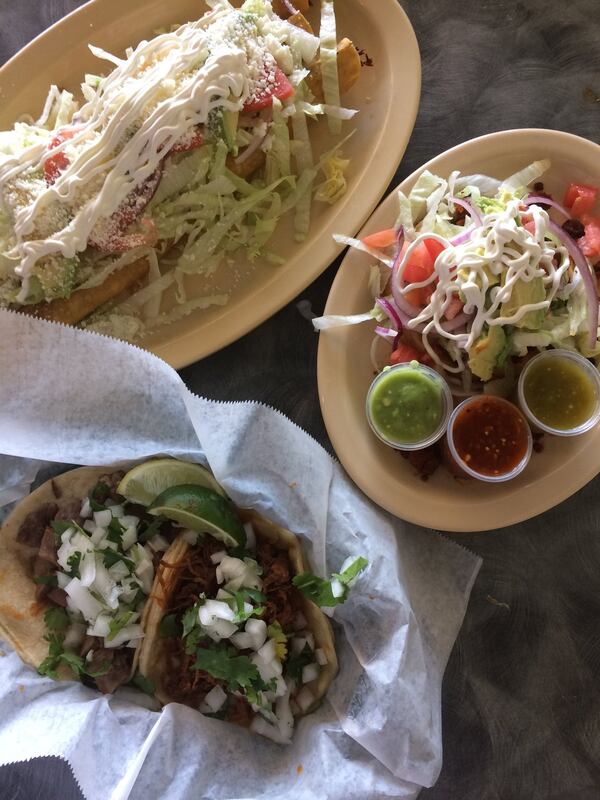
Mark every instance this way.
x=214 y=699
x=220 y=629
x=158 y=543
x=191 y=537
x=223 y=595
x=310 y=639
x=320 y=656
x=267 y=651
x=129 y=633
x=117 y=511
x=265 y=668
x=102 y=518
x=74 y=636
x=144 y=568
x=87 y=568
x=337 y=588
x=215 y=609
x=89 y=525
x=250 y=536
x=243 y=641
x=257 y=629
x=129 y=521
x=129 y=537
x=297 y=644
x=310 y=673
x=86 y=509
x=285 y=719
x=118 y=571
x=264 y=728
x=103 y=583
x=62 y=579
x=216 y=558
x=83 y=600
x=101 y=626
x=97 y=535
x=305 y=698
x=104 y=543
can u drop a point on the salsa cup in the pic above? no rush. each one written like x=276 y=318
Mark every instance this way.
x=446 y=405
x=588 y=371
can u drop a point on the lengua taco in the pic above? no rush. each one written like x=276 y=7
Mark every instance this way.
x=77 y=564
x=229 y=634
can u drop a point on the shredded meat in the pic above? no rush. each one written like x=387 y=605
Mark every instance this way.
x=196 y=575
x=119 y=660
x=33 y=526
x=425 y=461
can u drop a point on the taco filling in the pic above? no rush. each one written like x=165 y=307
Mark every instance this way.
x=93 y=561
x=233 y=637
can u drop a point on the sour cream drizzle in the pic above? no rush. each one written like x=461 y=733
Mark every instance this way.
x=499 y=248
x=151 y=100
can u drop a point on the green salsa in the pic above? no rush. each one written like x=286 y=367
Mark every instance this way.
x=559 y=393
x=406 y=406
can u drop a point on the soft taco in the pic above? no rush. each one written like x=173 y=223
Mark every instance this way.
x=76 y=567
x=228 y=632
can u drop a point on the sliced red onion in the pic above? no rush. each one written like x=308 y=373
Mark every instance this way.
x=471 y=211
x=386 y=333
x=391 y=312
x=535 y=199
x=461 y=238
x=589 y=280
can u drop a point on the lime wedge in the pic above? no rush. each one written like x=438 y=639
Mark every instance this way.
x=144 y=483
x=201 y=510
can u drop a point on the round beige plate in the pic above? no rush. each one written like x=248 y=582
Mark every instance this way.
x=345 y=372
x=387 y=95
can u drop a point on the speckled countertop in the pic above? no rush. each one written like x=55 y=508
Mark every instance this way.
x=521 y=695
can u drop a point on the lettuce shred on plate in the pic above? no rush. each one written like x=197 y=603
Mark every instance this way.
x=192 y=148
x=477 y=273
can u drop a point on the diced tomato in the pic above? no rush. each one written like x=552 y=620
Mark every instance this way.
x=381 y=239
x=57 y=163
x=280 y=88
x=190 y=142
x=404 y=353
x=455 y=306
x=590 y=241
x=419 y=267
x=434 y=248
x=580 y=198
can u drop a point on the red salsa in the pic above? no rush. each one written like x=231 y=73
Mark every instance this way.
x=490 y=436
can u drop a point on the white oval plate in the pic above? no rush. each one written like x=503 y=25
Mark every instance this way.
x=386 y=94
x=345 y=372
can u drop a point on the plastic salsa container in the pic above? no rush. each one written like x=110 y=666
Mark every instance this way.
x=489 y=438
x=559 y=391
x=408 y=406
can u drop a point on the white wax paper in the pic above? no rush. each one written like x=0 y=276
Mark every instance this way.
x=72 y=397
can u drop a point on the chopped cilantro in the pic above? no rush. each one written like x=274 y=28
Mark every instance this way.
x=150 y=529
x=224 y=663
x=319 y=590
x=56 y=618
x=118 y=623
x=73 y=564
x=111 y=557
x=144 y=684
x=169 y=626
x=296 y=663
x=239 y=598
x=193 y=639
x=59 y=526
x=56 y=654
x=190 y=618
x=115 y=531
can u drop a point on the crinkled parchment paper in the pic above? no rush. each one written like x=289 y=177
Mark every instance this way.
x=71 y=397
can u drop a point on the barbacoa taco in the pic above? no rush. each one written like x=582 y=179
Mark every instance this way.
x=229 y=634
x=77 y=565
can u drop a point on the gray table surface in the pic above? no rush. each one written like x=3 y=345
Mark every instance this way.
x=521 y=695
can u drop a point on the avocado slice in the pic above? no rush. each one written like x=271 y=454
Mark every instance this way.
x=523 y=293
x=222 y=124
x=484 y=353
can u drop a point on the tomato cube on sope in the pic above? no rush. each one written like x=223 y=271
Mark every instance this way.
x=278 y=86
x=580 y=198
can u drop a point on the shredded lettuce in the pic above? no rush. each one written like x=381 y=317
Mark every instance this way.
x=524 y=177
x=329 y=67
